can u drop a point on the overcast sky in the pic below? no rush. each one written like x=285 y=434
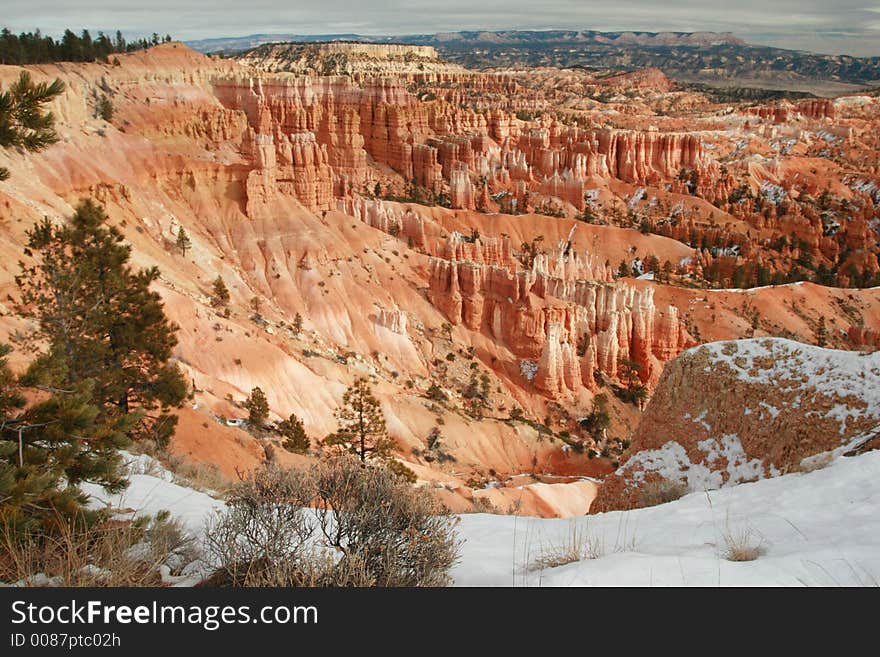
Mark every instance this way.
x=832 y=26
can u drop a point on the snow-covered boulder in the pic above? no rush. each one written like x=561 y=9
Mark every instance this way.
x=729 y=412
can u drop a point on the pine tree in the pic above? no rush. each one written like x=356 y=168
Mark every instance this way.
x=258 y=408
x=101 y=322
x=221 y=292
x=598 y=421
x=296 y=439
x=34 y=48
x=23 y=122
x=183 y=241
x=362 y=429
x=104 y=108
x=587 y=215
x=435 y=392
x=822 y=333
x=48 y=448
x=634 y=391
x=297 y=324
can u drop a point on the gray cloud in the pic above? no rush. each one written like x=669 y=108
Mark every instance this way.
x=845 y=26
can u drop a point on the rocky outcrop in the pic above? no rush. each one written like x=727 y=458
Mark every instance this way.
x=387 y=217
x=817 y=108
x=732 y=412
x=558 y=368
x=392 y=319
x=294 y=165
x=461 y=190
x=784 y=111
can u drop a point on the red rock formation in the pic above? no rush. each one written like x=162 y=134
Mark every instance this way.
x=817 y=108
x=249 y=162
x=393 y=320
x=732 y=412
x=784 y=111
x=776 y=113
x=558 y=368
x=461 y=189
x=544 y=313
x=643 y=79
x=436 y=143
x=387 y=217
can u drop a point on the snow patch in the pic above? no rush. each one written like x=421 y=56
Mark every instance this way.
x=148 y=494
x=528 y=368
x=795 y=367
x=739 y=467
x=671 y=462
x=770 y=409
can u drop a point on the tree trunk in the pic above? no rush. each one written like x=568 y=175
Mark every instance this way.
x=363 y=437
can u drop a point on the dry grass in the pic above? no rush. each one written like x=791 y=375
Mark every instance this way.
x=111 y=553
x=742 y=544
x=579 y=543
x=483 y=504
x=204 y=477
x=201 y=476
x=661 y=491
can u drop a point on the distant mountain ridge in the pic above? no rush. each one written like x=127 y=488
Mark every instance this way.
x=231 y=44
x=716 y=59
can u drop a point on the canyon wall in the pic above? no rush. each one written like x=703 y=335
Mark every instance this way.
x=318 y=122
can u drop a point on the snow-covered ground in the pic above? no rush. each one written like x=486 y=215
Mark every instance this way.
x=815 y=529
x=151 y=489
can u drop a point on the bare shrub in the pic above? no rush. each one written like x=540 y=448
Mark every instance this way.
x=265 y=537
x=402 y=534
x=661 y=491
x=167 y=543
x=338 y=524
